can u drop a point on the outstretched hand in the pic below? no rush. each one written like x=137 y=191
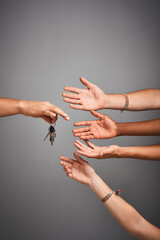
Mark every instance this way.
x=93 y=151
x=91 y=98
x=79 y=170
x=102 y=128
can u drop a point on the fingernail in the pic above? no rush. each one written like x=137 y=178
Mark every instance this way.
x=68 y=118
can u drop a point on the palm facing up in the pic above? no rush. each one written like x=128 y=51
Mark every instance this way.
x=93 y=151
x=85 y=99
x=79 y=170
x=103 y=128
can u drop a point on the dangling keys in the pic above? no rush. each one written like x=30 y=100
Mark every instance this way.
x=52 y=133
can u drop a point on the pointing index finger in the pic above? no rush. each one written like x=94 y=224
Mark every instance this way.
x=60 y=112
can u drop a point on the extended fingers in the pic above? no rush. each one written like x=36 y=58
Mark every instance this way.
x=65 y=159
x=76 y=106
x=70 y=100
x=87 y=137
x=80 y=145
x=70 y=95
x=90 y=144
x=84 y=153
x=82 y=134
x=72 y=89
x=65 y=164
x=80 y=130
x=83 y=123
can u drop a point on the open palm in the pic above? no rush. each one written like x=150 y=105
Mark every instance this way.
x=102 y=128
x=79 y=170
x=93 y=151
x=85 y=99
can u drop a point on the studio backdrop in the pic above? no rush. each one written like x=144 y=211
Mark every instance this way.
x=46 y=45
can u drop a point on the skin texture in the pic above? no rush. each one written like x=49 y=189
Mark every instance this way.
x=36 y=109
x=93 y=98
x=102 y=128
x=125 y=214
x=151 y=152
x=144 y=128
x=105 y=127
x=92 y=151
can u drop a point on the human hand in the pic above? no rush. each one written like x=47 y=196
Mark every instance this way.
x=96 y=152
x=85 y=99
x=44 y=110
x=79 y=170
x=103 y=128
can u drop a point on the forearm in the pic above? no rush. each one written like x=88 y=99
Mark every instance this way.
x=124 y=213
x=151 y=152
x=9 y=107
x=145 y=128
x=139 y=100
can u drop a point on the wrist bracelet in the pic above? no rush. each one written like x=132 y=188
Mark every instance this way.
x=126 y=102
x=110 y=194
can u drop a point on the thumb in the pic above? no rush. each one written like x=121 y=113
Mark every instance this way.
x=78 y=158
x=46 y=118
x=97 y=114
x=85 y=82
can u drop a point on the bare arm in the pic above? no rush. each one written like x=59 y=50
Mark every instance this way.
x=144 y=128
x=124 y=213
x=93 y=98
x=37 y=109
x=151 y=152
x=146 y=99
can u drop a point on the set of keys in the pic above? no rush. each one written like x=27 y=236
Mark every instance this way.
x=51 y=133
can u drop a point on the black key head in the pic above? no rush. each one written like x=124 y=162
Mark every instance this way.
x=52 y=129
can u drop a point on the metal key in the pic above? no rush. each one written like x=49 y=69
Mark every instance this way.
x=47 y=134
x=52 y=133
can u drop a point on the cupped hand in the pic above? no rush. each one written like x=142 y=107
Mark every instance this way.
x=102 y=128
x=93 y=151
x=44 y=110
x=78 y=169
x=91 y=98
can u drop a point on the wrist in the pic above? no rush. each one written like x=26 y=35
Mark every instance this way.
x=93 y=180
x=22 y=106
x=124 y=152
x=120 y=128
x=99 y=187
x=110 y=152
x=101 y=102
x=107 y=101
x=114 y=101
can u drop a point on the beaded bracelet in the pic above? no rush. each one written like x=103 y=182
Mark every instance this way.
x=110 y=194
x=126 y=102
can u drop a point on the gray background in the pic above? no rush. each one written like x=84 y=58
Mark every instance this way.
x=44 y=46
